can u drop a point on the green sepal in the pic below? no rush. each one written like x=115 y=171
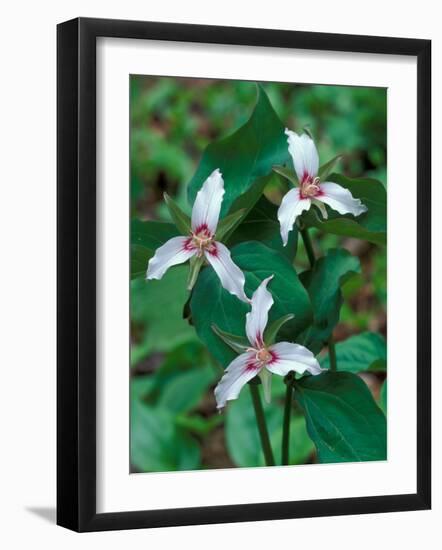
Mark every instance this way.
x=273 y=329
x=180 y=219
x=327 y=168
x=306 y=130
x=228 y=224
x=266 y=381
x=287 y=173
x=239 y=344
x=195 y=264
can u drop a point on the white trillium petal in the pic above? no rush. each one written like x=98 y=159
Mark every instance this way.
x=256 y=319
x=230 y=275
x=175 y=251
x=292 y=357
x=291 y=207
x=238 y=373
x=207 y=205
x=304 y=154
x=340 y=199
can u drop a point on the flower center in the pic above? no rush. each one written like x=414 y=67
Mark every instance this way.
x=263 y=356
x=203 y=240
x=310 y=188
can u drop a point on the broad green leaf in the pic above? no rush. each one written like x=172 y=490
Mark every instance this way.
x=370 y=226
x=185 y=391
x=365 y=351
x=342 y=417
x=261 y=224
x=157 y=307
x=145 y=238
x=272 y=329
x=211 y=304
x=383 y=397
x=157 y=444
x=323 y=284
x=180 y=219
x=242 y=436
x=247 y=200
x=247 y=154
x=326 y=168
x=239 y=344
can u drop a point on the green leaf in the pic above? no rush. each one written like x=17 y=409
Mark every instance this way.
x=145 y=238
x=229 y=223
x=272 y=329
x=157 y=306
x=247 y=200
x=239 y=344
x=242 y=436
x=140 y=387
x=188 y=357
x=261 y=224
x=211 y=304
x=323 y=284
x=180 y=219
x=247 y=154
x=370 y=226
x=365 y=351
x=342 y=417
x=157 y=444
x=199 y=425
x=185 y=391
x=326 y=168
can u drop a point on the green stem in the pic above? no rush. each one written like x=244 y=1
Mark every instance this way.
x=286 y=424
x=262 y=426
x=332 y=354
x=308 y=246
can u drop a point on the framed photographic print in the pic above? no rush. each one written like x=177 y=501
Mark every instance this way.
x=243 y=268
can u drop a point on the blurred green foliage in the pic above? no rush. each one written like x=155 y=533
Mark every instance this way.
x=174 y=422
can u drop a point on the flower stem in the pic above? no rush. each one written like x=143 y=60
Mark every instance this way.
x=262 y=426
x=308 y=246
x=332 y=354
x=286 y=424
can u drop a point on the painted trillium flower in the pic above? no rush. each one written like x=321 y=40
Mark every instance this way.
x=260 y=359
x=311 y=190
x=201 y=243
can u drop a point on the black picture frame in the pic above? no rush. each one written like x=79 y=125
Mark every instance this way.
x=76 y=273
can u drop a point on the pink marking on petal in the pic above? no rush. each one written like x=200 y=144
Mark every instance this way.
x=212 y=249
x=252 y=367
x=202 y=228
x=274 y=357
x=305 y=177
x=188 y=245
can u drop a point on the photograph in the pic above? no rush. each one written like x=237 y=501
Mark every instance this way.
x=258 y=262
